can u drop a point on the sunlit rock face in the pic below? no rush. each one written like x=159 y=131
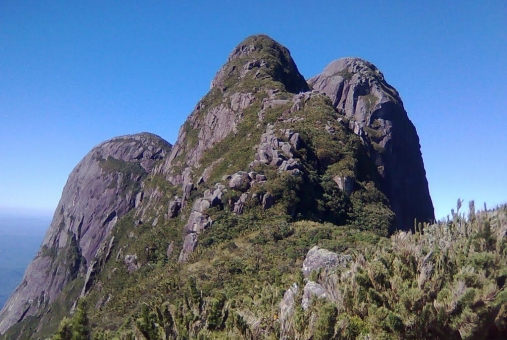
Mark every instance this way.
x=375 y=111
x=102 y=188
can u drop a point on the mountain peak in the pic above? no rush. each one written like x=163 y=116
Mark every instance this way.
x=256 y=44
x=259 y=58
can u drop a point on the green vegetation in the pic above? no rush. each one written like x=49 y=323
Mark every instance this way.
x=346 y=74
x=445 y=281
x=75 y=328
x=117 y=165
x=370 y=100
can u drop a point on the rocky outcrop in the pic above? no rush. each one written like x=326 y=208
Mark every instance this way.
x=276 y=152
x=358 y=90
x=102 y=188
x=318 y=261
x=199 y=219
x=261 y=55
x=322 y=259
x=256 y=58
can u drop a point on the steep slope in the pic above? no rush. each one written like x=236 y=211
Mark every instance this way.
x=260 y=119
x=263 y=169
x=256 y=68
x=358 y=91
x=102 y=188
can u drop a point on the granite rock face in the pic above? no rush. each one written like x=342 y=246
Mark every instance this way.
x=257 y=57
x=322 y=259
x=101 y=189
x=375 y=111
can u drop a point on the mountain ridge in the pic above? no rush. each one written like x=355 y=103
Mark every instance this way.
x=260 y=147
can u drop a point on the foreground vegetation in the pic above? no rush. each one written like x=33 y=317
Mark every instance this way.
x=444 y=281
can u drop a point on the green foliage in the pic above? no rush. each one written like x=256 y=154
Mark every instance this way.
x=324 y=327
x=75 y=328
x=117 y=165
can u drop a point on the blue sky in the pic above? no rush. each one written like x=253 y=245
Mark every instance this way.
x=75 y=73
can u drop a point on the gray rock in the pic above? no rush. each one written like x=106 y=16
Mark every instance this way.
x=102 y=188
x=322 y=259
x=287 y=309
x=187 y=190
x=240 y=204
x=286 y=149
x=90 y=275
x=139 y=198
x=312 y=289
x=197 y=222
x=240 y=181
x=261 y=178
x=215 y=197
x=240 y=101
x=290 y=164
x=189 y=244
x=131 y=263
x=155 y=222
x=201 y=205
x=295 y=140
x=276 y=152
x=109 y=249
x=358 y=91
x=345 y=183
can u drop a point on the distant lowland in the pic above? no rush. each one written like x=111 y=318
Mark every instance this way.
x=20 y=238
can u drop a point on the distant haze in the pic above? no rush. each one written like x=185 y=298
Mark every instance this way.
x=20 y=237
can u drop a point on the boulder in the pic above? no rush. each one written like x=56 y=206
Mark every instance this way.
x=312 y=290
x=240 y=204
x=131 y=263
x=322 y=259
x=240 y=181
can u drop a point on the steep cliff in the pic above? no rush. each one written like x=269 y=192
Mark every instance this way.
x=359 y=92
x=101 y=189
x=263 y=169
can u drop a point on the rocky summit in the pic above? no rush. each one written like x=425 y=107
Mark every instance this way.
x=265 y=168
x=375 y=111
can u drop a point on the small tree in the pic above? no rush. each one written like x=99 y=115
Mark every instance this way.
x=80 y=323
x=324 y=328
x=64 y=331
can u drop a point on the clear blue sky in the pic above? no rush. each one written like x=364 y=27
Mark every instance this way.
x=75 y=73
